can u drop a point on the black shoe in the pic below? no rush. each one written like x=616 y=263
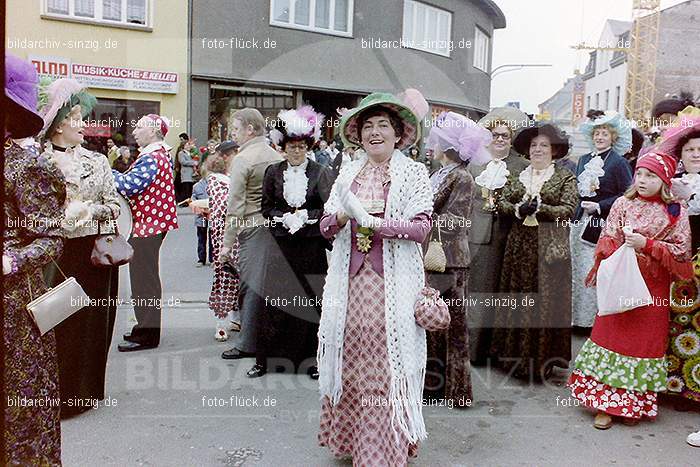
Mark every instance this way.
x=313 y=372
x=257 y=371
x=129 y=346
x=131 y=336
x=234 y=354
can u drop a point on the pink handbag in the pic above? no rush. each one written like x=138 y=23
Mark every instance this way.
x=431 y=311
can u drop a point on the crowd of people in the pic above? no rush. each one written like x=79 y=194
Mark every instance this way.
x=380 y=273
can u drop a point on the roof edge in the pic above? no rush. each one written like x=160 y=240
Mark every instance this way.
x=499 y=18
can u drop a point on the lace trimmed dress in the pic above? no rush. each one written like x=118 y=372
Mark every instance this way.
x=34 y=193
x=621 y=368
x=359 y=425
x=531 y=340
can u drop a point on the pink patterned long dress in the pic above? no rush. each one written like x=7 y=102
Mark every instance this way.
x=223 y=299
x=359 y=425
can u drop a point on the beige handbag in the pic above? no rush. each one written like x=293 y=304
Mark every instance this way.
x=57 y=304
x=435 y=259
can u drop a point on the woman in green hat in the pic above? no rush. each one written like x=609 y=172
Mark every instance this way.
x=82 y=340
x=372 y=347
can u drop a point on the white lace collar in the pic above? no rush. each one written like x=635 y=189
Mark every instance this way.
x=588 y=181
x=533 y=179
x=296 y=184
x=494 y=175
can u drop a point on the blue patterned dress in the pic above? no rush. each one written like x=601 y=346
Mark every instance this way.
x=34 y=193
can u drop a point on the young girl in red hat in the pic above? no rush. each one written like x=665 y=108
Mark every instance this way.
x=620 y=369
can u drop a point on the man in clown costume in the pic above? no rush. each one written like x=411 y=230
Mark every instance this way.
x=148 y=185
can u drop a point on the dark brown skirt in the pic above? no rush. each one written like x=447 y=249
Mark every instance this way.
x=448 y=371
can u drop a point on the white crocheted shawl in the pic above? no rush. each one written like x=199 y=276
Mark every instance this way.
x=409 y=195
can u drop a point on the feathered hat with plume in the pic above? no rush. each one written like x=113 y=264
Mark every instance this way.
x=409 y=106
x=302 y=124
x=58 y=98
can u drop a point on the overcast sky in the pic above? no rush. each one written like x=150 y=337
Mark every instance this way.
x=542 y=31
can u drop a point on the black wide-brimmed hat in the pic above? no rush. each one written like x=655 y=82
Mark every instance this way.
x=558 y=138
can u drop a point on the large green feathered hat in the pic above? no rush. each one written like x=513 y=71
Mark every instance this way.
x=349 y=131
x=58 y=98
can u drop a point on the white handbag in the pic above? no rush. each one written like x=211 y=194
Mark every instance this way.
x=57 y=304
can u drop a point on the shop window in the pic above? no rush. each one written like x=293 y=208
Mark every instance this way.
x=116 y=119
x=107 y=12
x=226 y=99
x=426 y=28
x=326 y=16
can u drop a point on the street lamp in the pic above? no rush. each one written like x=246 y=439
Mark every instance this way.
x=515 y=67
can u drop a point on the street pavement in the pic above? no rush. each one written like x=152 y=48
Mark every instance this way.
x=182 y=405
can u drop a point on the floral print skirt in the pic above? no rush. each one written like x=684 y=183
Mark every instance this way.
x=683 y=352
x=32 y=426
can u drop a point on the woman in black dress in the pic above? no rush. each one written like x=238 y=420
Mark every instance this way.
x=82 y=340
x=294 y=192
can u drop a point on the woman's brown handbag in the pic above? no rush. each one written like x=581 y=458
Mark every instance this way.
x=111 y=249
x=435 y=259
x=57 y=303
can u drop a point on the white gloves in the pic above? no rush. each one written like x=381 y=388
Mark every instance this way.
x=295 y=221
x=681 y=189
x=354 y=209
x=589 y=207
x=77 y=214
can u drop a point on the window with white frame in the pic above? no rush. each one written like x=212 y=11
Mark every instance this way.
x=427 y=28
x=607 y=99
x=326 y=16
x=482 y=45
x=132 y=12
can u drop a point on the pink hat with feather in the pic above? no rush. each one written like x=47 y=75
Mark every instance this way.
x=57 y=99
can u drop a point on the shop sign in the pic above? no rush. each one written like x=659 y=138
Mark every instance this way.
x=107 y=77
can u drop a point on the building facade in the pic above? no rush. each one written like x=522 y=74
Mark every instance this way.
x=606 y=74
x=677 y=59
x=563 y=110
x=132 y=55
x=275 y=54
